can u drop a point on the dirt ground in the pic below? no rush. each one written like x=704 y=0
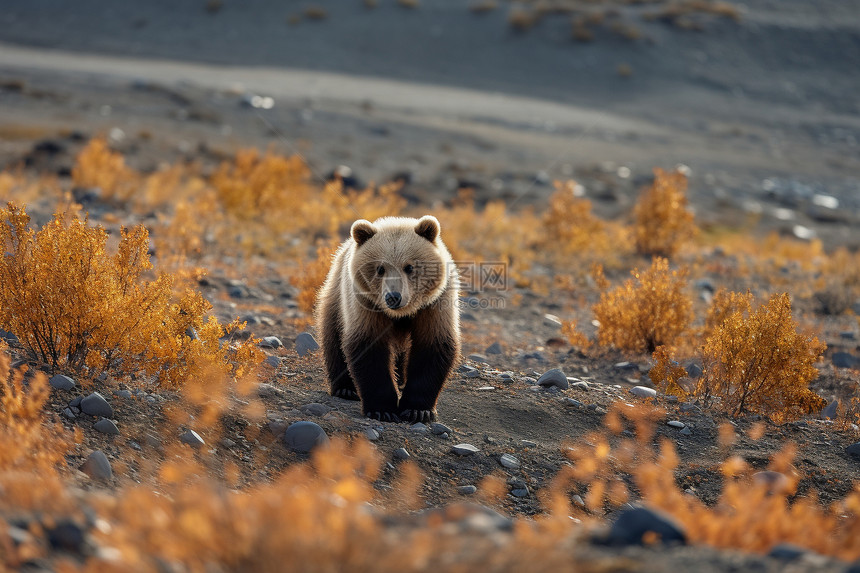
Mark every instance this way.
x=764 y=112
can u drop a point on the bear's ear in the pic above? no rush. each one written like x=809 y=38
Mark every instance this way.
x=361 y=231
x=428 y=227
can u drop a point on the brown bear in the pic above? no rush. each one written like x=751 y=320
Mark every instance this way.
x=388 y=318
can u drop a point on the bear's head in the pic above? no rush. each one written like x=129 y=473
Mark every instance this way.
x=399 y=265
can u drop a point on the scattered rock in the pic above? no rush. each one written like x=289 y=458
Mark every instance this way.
x=485 y=388
x=643 y=392
x=371 y=434
x=66 y=535
x=853 y=450
x=626 y=366
x=776 y=482
x=305 y=436
x=8 y=336
x=271 y=342
x=106 y=426
x=829 y=413
x=686 y=431
x=577 y=499
x=464 y=449
x=419 y=428
x=632 y=524
x=552 y=321
x=438 y=429
x=123 y=393
x=316 y=409
x=278 y=427
x=520 y=492
x=473 y=373
x=694 y=370
x=578 y=384
x=273 y=361
x=96 y=405
x=305 y=342
x=688 y=407
x=528 y=444
x=509 y=461
x=554 y=377
x=76 y=402
x=494 y=348
x=401 y=454
x=69 y=414
x=845 y=360
x=97 y=466
x=478 y=357
x=786 y=552
x=676 y=424
x=191 y=438
x=467 y=489
x=60 y=382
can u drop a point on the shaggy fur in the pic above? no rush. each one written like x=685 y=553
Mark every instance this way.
x=388 y=319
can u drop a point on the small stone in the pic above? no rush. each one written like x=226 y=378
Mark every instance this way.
x=97 y=466
x=228 y=443
x=686 y=431
x=633 y=524
x=305 y=436
x=848 y=335
x=494 y=348
x=96 y=405
x=66 y=535
x=845 y=360
x=577 y=499
x=676 y=424
x=688 y=407
x=485 y=388
x=643 y=392
x=509 y=461
x=464 y=449
x=506 y=375
x=775 y=481
x=60 y=382
x=478 y=357
x=694 y=370
x=579 y=385
x=786 y=552
x=315 y=409
x=76 y=402
x=401 y=454
x=305 y=342
x=552 y=321
x=438 y=429
x=273 y=361
x=489 y=439
x=278 y=427
x=466 y=489
x=123 y=394
x=191 y=438
x=69 y=414
x=371 y=434
x=554 y=377
x=626 y=365
x=853 y=450
x=271 y=342
x=829 y=413
x=474 y=373
x=106 y=426
x=572 y=402
x=528 y=444
x=520 y=492
x=419 y=428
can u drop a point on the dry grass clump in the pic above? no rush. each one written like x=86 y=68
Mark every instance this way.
x=757 y=361
x=311 y=276
x=647 y=311
x=75 y=306
x=97 y=166
x=663 y=221
x=667 y=373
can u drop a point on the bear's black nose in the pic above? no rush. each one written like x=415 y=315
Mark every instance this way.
x=392 y=299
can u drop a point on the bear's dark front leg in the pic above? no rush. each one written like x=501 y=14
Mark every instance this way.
x=339 y=377
x=429 y=364
x=371 y=367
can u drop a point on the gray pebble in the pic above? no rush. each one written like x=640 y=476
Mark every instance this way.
x=676 y=424
x=278 y=427
x=643 y=392
x=419 y=428
x=305 y=342
x=554 y=377
x=494 y=348
x=97 y=466
x=632 y=525
x=829 y=413
x=579 y=385
x=106 y=426
x=273 y=361
x=316 y=409
x=845 y=360
x=577 y=499
x=371 y=434
x=626 y=366
x=572 y=402
x=271 y=342
x=69 y=414
x=123 y=393
x=520 y=492
x=60 y=382
x=437 y=429
x=528 y=444
x=686 y=431
x=473 y=373
x=853 y=450
x=848 y=335
x=478 y=357
x=401 y=454
x=464 y=449
x=191 y=438
x=694 y=370
x=786 y=552
x=509 y=461
x=305 y=436
x=228 y=443
x=506 y=375
x=76 y=402
x=96 y=405
x=467 y=489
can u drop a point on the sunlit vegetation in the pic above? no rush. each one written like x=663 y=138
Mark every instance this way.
x=81 y=298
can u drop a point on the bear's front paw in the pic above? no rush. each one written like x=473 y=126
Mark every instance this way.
x=383 y=416
x=346 y=394
x=414 y=416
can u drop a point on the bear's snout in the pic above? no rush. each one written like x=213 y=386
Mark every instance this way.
x=393 y=300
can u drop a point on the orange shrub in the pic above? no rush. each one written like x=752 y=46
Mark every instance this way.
x=663 y=222
x=667 y=373
x=98 y=166
x=758 y=362
x=647 y=312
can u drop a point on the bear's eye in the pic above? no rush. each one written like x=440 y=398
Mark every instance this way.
x=408 y=269
x=380 y=270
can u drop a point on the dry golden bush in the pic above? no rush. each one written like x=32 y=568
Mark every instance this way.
x=98 y=166
x=647 y=311
x=724 y=304
x=663 y=222
x=570 y=228
x=312 y=275
x=74 y=305
x=576 y=338
x=667 y=373
x=758 y=362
